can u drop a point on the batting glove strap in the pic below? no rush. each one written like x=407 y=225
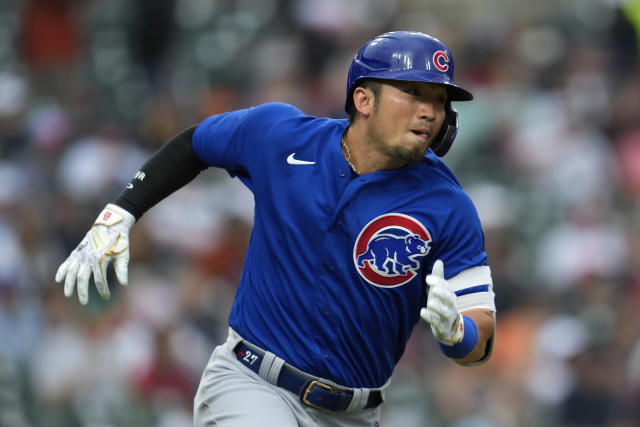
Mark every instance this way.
x=455 y=335
x=466 y=344
x=112 y=215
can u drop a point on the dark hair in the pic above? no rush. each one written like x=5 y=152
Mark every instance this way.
x=373 y=85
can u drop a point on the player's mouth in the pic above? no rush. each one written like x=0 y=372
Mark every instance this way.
x=422 y=133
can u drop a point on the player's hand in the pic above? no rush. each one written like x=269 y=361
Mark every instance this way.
x=441 y=311
x=106 y=241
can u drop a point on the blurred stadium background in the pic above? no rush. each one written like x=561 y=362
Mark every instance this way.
x=549 y=151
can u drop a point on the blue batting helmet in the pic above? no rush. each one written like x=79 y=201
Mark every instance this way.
x=410 y=56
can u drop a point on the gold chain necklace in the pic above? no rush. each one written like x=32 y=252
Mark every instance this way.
x=348 y=156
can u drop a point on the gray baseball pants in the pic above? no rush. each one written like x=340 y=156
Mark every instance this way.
x=230 y=394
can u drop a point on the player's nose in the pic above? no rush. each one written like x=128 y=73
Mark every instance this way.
x=427 y=110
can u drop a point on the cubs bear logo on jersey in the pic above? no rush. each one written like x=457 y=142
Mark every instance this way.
x=388 y=249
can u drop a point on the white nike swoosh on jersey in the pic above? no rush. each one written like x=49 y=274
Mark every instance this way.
x=293 y=161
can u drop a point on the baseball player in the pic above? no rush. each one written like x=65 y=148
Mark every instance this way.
x=360 y=230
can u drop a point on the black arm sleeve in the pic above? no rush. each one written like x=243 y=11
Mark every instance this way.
x=173 y=166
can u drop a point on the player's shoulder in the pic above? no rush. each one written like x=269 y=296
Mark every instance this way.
x=278 y=107
x=437 y=172
x=256 y=116
x=276 y=115
x=285 y=118
x=275 y=110
x=438 y=179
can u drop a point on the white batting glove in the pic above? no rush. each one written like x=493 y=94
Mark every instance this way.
x=106 y=241
x=441 y=311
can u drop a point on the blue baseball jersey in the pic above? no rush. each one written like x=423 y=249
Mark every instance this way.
x=333 y=279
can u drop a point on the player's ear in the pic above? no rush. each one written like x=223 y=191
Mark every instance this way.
x=363 y=100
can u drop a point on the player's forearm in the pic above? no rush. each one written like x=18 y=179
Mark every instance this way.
x=171 y=167
x=485 y=322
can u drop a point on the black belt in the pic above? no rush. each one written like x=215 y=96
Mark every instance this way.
x=311 y=390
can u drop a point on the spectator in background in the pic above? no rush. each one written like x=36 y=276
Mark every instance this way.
x=164 y=384
x=152 y=30
x=50 y=34
x=50 y=42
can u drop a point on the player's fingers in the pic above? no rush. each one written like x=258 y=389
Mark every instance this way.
x=438 y=269
x=435 y=281
x=84 y=274
x=439 y=333
x=436 y=309
x=425 y=314
x=443 y=295
x=121 y=267
x=70 y=279
x=83 y=291
x=100 y=278
x=62 y=271
x=444 y=306
x=436 y=278
x=439 y=293
x=437 y=327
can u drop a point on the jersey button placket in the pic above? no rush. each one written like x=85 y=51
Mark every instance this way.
x=342 y=173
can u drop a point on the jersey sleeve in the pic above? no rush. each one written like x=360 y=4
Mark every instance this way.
x=235 y=140
x=465 y=261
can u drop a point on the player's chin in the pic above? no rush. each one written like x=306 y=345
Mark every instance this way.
x=411 y=153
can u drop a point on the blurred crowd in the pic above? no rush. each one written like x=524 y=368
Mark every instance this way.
x=549 y=151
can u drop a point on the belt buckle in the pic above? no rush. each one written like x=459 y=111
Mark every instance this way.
x=308 y=389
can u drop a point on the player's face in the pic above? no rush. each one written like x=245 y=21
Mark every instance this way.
x=406 y=119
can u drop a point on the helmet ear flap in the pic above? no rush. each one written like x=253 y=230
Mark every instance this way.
x=442 y=143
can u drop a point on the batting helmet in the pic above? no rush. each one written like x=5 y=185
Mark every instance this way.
x=410 y=56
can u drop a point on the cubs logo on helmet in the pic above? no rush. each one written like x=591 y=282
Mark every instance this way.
x=387 y=250
x=441 y=60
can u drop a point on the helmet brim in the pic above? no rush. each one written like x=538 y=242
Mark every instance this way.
x=457 y=93
x=454 y=91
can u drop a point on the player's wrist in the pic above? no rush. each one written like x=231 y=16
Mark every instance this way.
x=113 y=215
x=466 y=344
